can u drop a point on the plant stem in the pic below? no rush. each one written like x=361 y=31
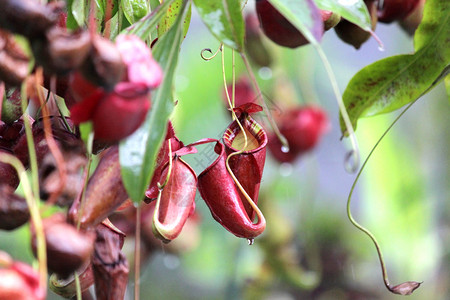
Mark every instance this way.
x=35 y=216
x=348 y=124
x=349 y=213
x=272 y=123
x=30 y=143
x=78 y=286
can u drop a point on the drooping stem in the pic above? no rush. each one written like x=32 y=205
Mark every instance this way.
x=36 y=220
x=348 y=124
x=272 y=123
x=349 y=213
x=86 y=179
x=30 y=142
x=78 y=286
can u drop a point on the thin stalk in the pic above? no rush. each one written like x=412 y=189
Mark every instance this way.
x=86 y=179
x=349 y=213
x=35 y=216
x=348 y=124
x=272 y=123
x=30 y=143
x=78 y=286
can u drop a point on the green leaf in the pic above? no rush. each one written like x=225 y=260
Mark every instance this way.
x=304 y=15
x=144 y=26
x=171 y=15
x=99 y=13
x=79 y=11
x=224 y=20
x=134 y=10
x=354 y=11
x=114 y=26
x=390 y=83
x=138 y=152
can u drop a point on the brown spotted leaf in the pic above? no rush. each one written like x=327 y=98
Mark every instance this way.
x=395 y=81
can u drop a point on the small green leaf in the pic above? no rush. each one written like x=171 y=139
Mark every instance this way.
x=79 y=11
x=354 y=11
x=390 y=83
x=172 y=13
x=138 y=152
x=134 y=10
x=224 y=20
x=304 y=15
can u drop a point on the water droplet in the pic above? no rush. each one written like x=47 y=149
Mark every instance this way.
x=265 y=73
x=381 y=48
x=285 y=149
x=351 y=162
x=250 y=241
x=171 y=262
x=286 y=169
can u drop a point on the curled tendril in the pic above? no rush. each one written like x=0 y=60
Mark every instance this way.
x=210 y=51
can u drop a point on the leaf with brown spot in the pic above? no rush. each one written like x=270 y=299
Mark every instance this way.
x=395 y=81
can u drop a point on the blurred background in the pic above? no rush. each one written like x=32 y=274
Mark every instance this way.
x=309 y=250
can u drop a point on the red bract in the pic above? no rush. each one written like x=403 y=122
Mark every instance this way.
x=141 y=67
x=8 y=174
x=20 y=282
x=120 y=113
x=117 y=114
x=104 y=192
x=280 y=30
x=302 y=128
x=395 y=10
x=67 y=248
x=176 y=201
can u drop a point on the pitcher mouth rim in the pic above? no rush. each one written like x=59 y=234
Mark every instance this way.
x=253 y=127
